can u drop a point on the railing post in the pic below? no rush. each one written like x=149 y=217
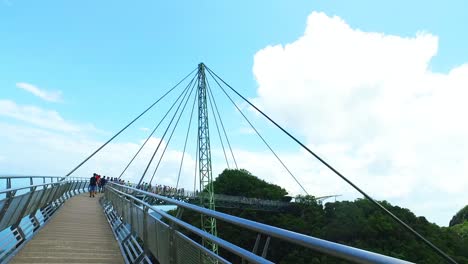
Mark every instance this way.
x=76 y=187
x=71 y=187
x=8 y=183
x=58 y=192
x=52 y=193
x=257 y=241
x=180 y=211
x=172 y=241
x=85 y=186
x=79 y=186
x=31 y=182
x=265 y=248
x=63 y=191
x=145 y=237
x=257 y=244
x=145 y=226
x=69 y=190
x=25 y=207
x=6 y=205
x=39 y=201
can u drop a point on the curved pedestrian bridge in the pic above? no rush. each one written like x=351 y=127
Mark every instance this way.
x=51 y=220
x=56 y=221
x=77 y=233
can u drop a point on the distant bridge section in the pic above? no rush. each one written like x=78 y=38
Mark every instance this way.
x=222 y=200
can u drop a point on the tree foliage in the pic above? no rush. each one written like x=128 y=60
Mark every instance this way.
x=355 y=223
x=460 y=217
x=461 y=229
x=240 y=182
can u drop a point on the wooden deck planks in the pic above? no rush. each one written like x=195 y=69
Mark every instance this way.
x=78 y=233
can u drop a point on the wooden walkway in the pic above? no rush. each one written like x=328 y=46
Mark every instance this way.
x=77 y=233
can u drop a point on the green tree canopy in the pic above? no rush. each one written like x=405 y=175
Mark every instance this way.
x=461 y=229
x=240 y=182
x=356 y=223
x=460 y=217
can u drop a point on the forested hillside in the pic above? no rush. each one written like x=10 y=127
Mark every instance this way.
x=460 y=217
x=459 y=223
x=356 y=223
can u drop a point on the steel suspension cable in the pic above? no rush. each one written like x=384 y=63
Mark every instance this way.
x=217 y=128
x=160 y=141
x=262 y=138
x=129 y=124
x=172 y=133
x=186 y=139
x=394 y=217
x=210 y=94
x=154 y=130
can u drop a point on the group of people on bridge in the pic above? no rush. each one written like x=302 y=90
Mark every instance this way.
x=162 y=189
x=96 y=184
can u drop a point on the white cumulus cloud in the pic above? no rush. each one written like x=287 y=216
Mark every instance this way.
x=50 y=96
x=371 y=105
x=40 y=117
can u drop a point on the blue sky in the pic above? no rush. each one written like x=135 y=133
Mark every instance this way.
x=105 y=53
x=105 y=61
x=105 y=56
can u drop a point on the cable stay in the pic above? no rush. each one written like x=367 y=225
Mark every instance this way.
x=221 y=121
x=172 y=133
x=376 y=203
x=262 y=138
x=217 y=129
x=204 y=93
x=129 y=124
x=154 y=130
x=186 y=139
x=165 y=132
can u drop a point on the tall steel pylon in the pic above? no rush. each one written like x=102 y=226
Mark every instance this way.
x=204 y=160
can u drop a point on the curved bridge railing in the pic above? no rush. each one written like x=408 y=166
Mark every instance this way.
x=147 y=233
x=27 y=203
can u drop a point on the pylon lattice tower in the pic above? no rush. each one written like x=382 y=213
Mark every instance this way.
x=204 y=160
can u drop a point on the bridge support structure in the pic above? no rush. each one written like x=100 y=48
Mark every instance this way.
x=204 y=160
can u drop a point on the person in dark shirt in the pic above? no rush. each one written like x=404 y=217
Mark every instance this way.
x=92 y=185
x=102 y=183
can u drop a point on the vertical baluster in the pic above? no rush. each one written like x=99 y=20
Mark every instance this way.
x=145 y=226
x=265 y=248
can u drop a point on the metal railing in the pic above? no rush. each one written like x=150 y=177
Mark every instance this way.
x=145 y=232
x=27 y=207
